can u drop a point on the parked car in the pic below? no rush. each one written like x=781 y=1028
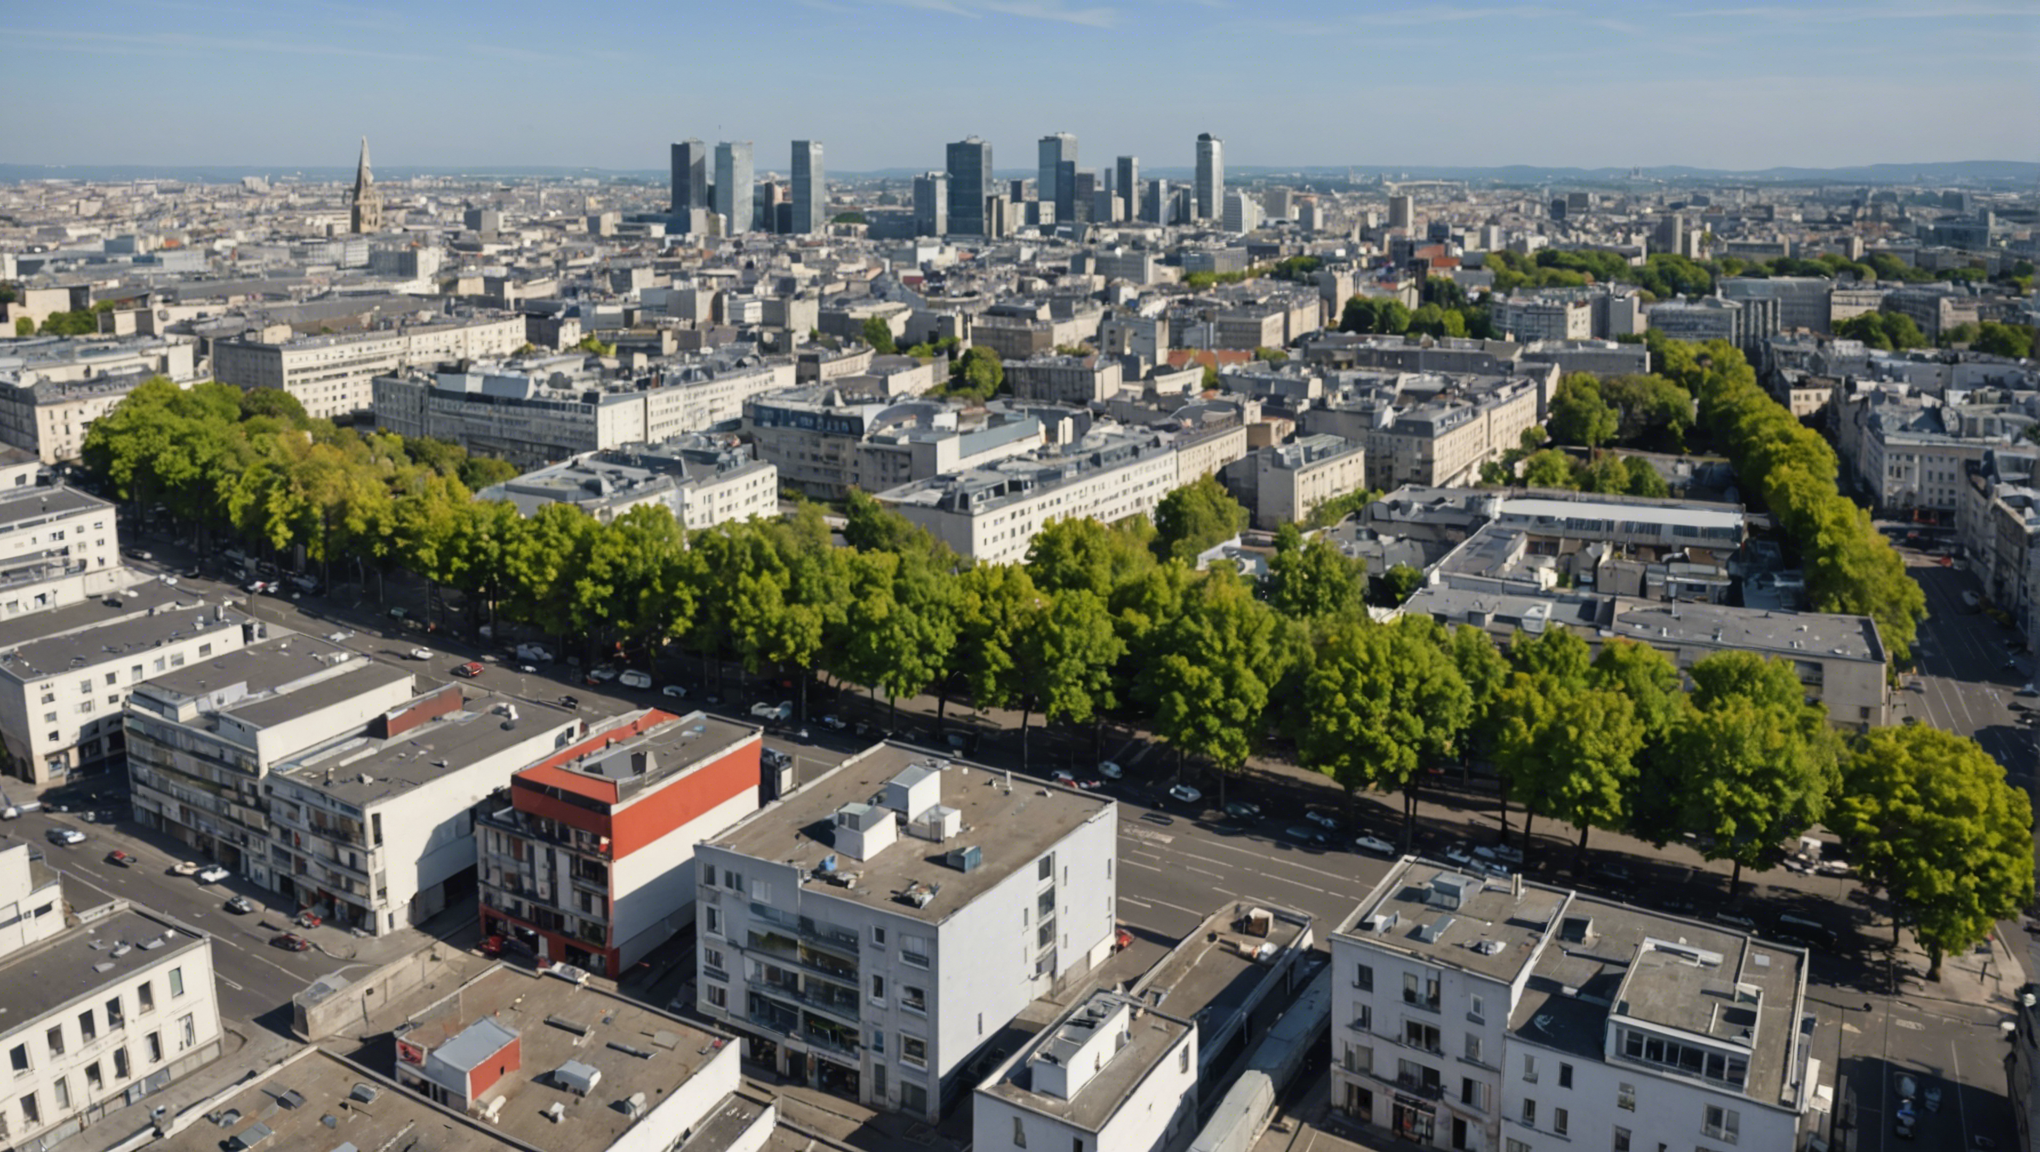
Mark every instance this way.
x=1321 y=818
x=781 y=711
x=1932 y=1097
x=1185 y=794
x=834 y=723
x=421 y=653
x=66 y=836
x=1243 y=810
x=1110 y=771
x=536 y=653
x=185 y=868
x=308 y=919
x=239 y=905
x=292 y=942
x=119 y=857
x=1615 y=874
x=470 y=670
x=675 y=691
x=632 y=678
x=1063 y=778
x=1374 y=844
x=1305 y=834
x=1737 y=919
x=774 y=758
x=213 y=875
x=569 y=703
x=601 y=674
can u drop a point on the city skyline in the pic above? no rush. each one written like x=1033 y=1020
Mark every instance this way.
x=1736 y=88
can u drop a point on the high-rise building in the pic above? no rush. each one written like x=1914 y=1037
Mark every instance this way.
x=1210 y=176
x=1084 y=195
x=1154 y=206
x=970 y=184
x=810 y=188
x=690 y=177
x=733 y=185
x=1128 y=186
x=1055 y=177
x=367 y=211
x=1402 y=211
x=1242 y=212
x=931 y=204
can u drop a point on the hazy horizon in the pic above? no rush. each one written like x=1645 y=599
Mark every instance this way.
x=884 y=84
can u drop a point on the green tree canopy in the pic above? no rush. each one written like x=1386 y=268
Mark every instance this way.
x=878 y=334
x=1578 y=413
x=1194 y=517
x=1312 y=579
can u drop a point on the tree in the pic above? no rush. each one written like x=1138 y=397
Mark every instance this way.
x=274 y=403
x=1220 y=657
x=479 y=472
x=593 y=346
x=1065 y=658
x=1386 y=702
x=1651 y=410
x=1556 y=653
x=879 y=335
x=1375 y=314
x=1549 y=468
x=1929 y=816
x=1578 y=413
x=24 y=327
x=1569 y=754
x=1399 y=583
x=1996 y=339
x=1486 y=672
x=1751 y=776
x=1644 y=480
x=976 y=375
x=1883 y=330
x=1313 y=579
x=1194 y=517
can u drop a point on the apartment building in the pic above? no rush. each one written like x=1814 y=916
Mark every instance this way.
x=702 y=480
x=1997 y=524
x=97 y=1015
x=1493 y=1015
x=334 y=375
x=1110 y=1073
x=1528 y=317
x=58 y=546
x=877 y=958
x=66 y=673
x=1282 y=483
x=992 y=512
x=52 y=389
x=1073 y=380
x=1913 y=453
x=591 y=861
x=1935 y=308
x=1434 y=431
x=374 y=829
x=1745 y=323
x=202 y=739
x=825 y=440
x=1805 y=303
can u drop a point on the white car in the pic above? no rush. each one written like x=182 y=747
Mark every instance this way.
x=632 y=678
x=66 y=836
x=1109 y=770
x=421 y=653
x=1321 y=819
x=1374 y=844
x=337 y=637
x=780 y=711
x=1185 y=793
x=186 y=868
x=213 y=875
x=675 y=691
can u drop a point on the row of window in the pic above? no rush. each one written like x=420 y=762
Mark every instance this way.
x=22 y=1061
x=95 y=1074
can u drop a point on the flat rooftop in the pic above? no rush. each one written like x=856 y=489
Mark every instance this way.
x=123 y=636
x=392 y=766
x=20 y=507
x=1793 y=635
x=1609 y=959
x=1212 y=975
x=1151 y=1036
x=79 y=961
x=369 y=1111
x=1555 y=516
x=263 y=666
x=91 y=613
x=1486 y=929
x=537 y=1008
x=602 y=765
x=1011 y=827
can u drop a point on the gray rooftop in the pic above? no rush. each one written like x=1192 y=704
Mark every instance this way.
x=85 y=614
x=124 y=635
x=1457 y=920
x=1151 y=1036
x=81 y=961
x=1011 y=827
x=362 y=769
x=22 y=507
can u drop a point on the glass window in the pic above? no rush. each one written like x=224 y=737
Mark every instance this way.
x=62 y=1090
x=154 y=1041
x=1363 y=978
x=18 y=1056
x=1564 y=1075
x=1530 y=1112
x=176 y=982
x=31 y=1113
x=55 y=1039
x=88 y=1026
x=1559 y=1120
x=914 y=1051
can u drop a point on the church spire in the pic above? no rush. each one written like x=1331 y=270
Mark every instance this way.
x=367 y=214
x=362 y=177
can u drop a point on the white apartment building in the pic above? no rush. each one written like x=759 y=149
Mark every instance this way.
x=333 y=375
x=1537 y=317
x=96 y=1016
x=65 y=673
x=1437 y=436
x=201 y=740
x=703 y=482
x=1502 y=1016
x=58 y=546
x=52 y=389
x=1282 y=483
x=857 y=962
x=826 y=441
x=1111 y=1074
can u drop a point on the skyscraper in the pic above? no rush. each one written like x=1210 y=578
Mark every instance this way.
x=366 y=215
x=690 y=177
x=810 y=188
x=970 y=183
x=931 y=204
x=1056 y=177
x=1210 y=176
x=1154 y=207
x=1128 y=187
x=1402 y=211
x=733 y=185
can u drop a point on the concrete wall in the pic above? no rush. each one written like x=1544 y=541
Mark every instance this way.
x=656 y=882
x=354 y=1000
x=687 y=1107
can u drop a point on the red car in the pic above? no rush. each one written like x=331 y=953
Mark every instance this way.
x=118 y=857
x=469 y=670
x=308 y=919
x=292 y=942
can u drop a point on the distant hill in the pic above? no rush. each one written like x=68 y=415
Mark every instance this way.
x=1998 y=172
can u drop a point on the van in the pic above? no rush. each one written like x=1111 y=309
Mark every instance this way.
x=1799 y=928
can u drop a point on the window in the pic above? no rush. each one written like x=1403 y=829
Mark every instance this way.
x=189 y=1029
x=732 y=881
x=1364 y=1022
x=1518 y=1146
x=1564 y=1075
x=1359 y=1058
x=95 y=1080
x=115 y=1016
x=913 y=999
x=761 y=891
x=1019 y=1133
x=717 y=996
x=878 y=1041
x=914 y=950
x=154 y=1041
x=1417 y=1034
x=18 y=1056
x=62 y=1090
x=1473 y=1047
x=1044 y=869
x=877 y=989
x=120 y=1063
x=914 y=1051
x=1559 y=1120
x=31 y=1114
x=88 y=1028
x=1530 y=1112
x=176 y=982
x=714 y=920
x=708 y=875
x=1625 y=1097
x=1476 y=1010
x=1621 y=1140
x=878 y=934
x=1183 y=1059
x=1529 y=1068
x=1721 y=1123
x=1422 y=992
x=1473 y=1093
x=55 y=1037
x=713 y=958
x=1363 y=978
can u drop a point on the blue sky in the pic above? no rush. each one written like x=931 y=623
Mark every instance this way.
x=885 y=82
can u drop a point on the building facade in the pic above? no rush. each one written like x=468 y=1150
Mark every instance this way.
x=1210 y=187
x=970 y=186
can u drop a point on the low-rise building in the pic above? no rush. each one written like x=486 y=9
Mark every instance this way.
x=52 y=389
x=58 y=545
x=875 y=958
x=1110 y=1073
x=98 y=1015
x=1283 y=483
x=591 y=860
x=333 y=375
x=1058 y=379
x=1477 y=1013
x=826 y=440
x=65 y=673
x=703 y=481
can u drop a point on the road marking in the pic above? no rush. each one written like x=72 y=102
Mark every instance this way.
x=1202 y=872
x=1138 y=864
x=1914 y=1025
x=1955 y=1087
x=1216 y=888
x=229 y=983
x=1177 y=907
x=1145 y=834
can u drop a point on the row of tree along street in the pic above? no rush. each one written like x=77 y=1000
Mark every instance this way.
x=1114 y=620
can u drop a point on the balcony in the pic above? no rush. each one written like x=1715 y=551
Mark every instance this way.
x=1428 y=1089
